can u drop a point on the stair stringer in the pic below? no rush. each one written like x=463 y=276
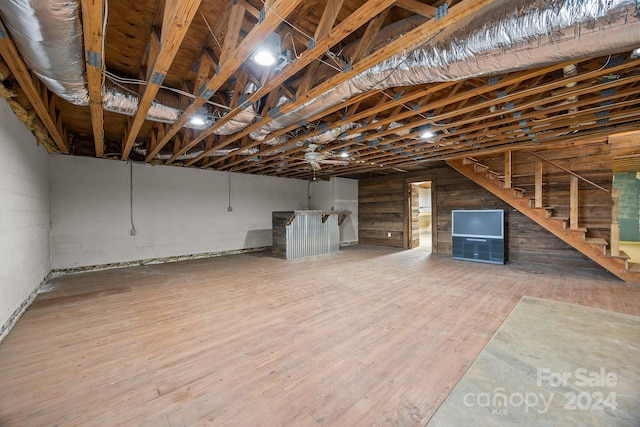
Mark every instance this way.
x=575 y=238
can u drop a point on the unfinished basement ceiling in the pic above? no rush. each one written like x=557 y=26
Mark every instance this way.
x=359 y=87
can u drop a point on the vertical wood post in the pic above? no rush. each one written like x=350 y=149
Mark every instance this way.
x=507 y=169
x=615 y=225
x=573 y=202
x=538 y=184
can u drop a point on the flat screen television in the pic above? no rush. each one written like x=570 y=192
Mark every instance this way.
x=486 y=223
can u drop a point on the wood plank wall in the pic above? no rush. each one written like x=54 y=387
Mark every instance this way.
x=383 y=203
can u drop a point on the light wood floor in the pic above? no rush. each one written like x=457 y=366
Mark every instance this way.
x=367 y=336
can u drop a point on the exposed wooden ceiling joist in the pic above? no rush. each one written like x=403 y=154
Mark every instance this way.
x=202 y=50
x=272 y=18
x=92 y=18
x=346 y=27
x=177 y=18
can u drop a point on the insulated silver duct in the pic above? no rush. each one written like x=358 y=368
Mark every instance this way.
x=48 y=34
x=505 y=37
x=329 y=135
x=140 y=149
x=127 y=104
x=242 y=119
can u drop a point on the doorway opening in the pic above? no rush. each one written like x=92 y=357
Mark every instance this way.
x=421 y=219
x=628 y=182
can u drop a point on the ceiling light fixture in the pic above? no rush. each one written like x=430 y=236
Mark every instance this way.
x=344 y=154
x=197 y=121
x=427 y=134
x=268 y=52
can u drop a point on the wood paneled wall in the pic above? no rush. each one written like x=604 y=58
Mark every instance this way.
x=383 y=203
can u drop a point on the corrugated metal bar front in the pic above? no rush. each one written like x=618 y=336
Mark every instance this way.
x=307 y=235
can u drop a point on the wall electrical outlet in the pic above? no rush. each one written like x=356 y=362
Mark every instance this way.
x=134 y=231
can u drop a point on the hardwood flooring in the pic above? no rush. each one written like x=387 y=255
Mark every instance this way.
x=366 y=336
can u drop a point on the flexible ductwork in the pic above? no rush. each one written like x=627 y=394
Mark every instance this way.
x=505 y=37
x=48 y=34
x=140 y=149
x=124 y=103
x=330 y=134
x=241 y=120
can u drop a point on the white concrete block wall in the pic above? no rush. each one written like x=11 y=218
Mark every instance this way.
x=176 y=211
x=338 y=194
x=24 y=214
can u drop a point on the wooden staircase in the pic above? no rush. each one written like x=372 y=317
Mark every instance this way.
x=564 y=227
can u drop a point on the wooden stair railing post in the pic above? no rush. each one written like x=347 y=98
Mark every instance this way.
x=573 y=202
x=606 y=254
x=615 y=225
x=507 y=169
x=538 y=184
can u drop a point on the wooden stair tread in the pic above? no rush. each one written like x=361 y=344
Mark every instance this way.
x=596 y=241
x=634 y=266
x=622 y=255
x=594 y=248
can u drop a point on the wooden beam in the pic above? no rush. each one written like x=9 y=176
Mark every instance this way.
x=5 y=72
x=238 y=89
x=538 y=183
x=369 y=36
x=511 y=97
x=409 y=41
x=346 y=27
x=151 y=55
x=21 y=73
x=614 y=243
x=233 y=33
x=92 y=20
x=354 y=100
x=573 y=202
x=507 y=169
x=205 y=65
x=452 y=151
x=272 y=19
x=249 y=8
x=327 y=20
x=177 y=19
x=417 y=8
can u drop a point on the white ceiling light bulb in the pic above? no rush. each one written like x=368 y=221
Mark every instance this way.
x=264 y=57
x=344 y=154
x=267 y=53
x=427 y=134
x=197 y=121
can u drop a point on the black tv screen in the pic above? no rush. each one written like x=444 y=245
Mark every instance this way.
x=487 y=223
